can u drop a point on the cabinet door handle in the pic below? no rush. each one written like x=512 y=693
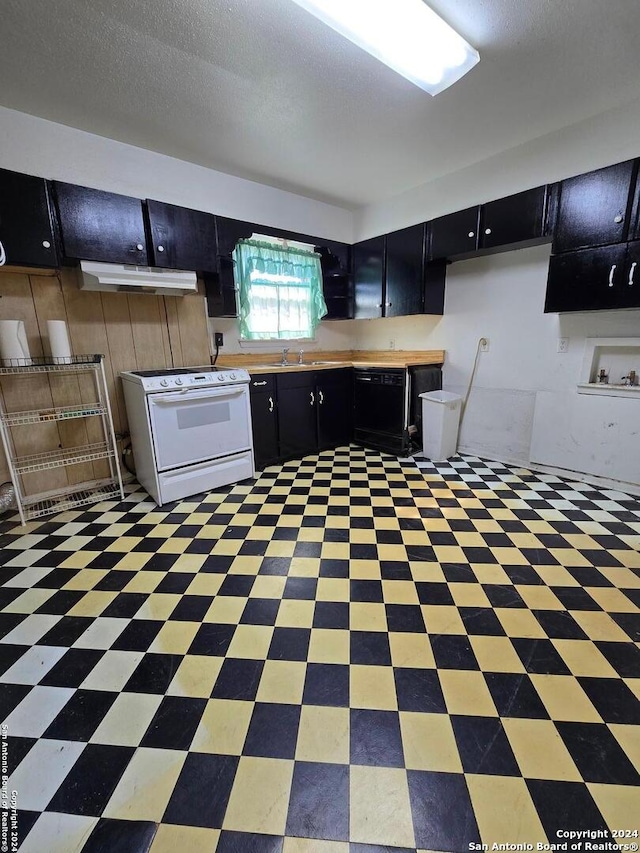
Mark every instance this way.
x=471 y=234
x=388 y=304
x=379 y=304
x=139 y=247
x=260 y=383
x=312 y=398
x=632 y=273
x=46 y=244
x=161 y=248
x=320 y=397
x=618 y=218
x=270 y=404
x=611 y=273
x=3 y=256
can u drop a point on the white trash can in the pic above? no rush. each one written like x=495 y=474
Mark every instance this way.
x=440 y=421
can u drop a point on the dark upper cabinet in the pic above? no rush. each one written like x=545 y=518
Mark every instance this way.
x=26 y=233
x=455 y=235
x=181 y=238
x=516 y=219
x=297 y=401
x=264 y=418
x=368 y=277
x=403 y=292
x=435 y=276
x=336 y=282
x=100 y=226
x=594 y=209
x=587 y=280
x=334 y=397
x=630 y=285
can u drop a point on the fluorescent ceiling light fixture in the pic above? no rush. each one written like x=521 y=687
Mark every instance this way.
x=406 y=35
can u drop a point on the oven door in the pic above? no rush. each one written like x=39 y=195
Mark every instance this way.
x=194 y=425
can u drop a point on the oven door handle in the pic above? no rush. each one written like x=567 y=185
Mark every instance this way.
x=160 y=399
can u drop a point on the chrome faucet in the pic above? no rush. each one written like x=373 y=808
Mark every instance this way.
x=301 y=357
x=285 y=353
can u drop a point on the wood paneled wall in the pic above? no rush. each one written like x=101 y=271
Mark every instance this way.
x=133 y=331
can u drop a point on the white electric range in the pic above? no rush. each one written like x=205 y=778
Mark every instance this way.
x=190 y=429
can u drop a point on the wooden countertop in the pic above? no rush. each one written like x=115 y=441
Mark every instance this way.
x=328 y=360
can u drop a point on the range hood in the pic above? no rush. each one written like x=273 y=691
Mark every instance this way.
x=128 y=278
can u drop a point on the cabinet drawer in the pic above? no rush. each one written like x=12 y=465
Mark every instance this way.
x=262 y=382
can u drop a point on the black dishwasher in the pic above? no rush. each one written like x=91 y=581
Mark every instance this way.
x=380 y=409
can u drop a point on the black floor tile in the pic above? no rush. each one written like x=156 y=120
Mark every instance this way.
x=238 y=679
x=237 y=585
x=260 y=611
x=120 y=836
x=565 y=804
x=326 y=684
x=81 y=716
x=154 y=673
x=452 y=651
x=138 y=635
x=175 y=723
x=443 y=817
x=72 y=668
x=331 y=614
x=17 y=748
x=405 y=617
x=126 y=605
x=300 y=588
x=66 y=631
x=212 y=639
x=9 y=654
x=367 y=591
x=202 y=791
x=273 y=731
x=290 y=644
x=433 y=593
x=613 y=700
x=597 y=754
x=419 y=690
x=559 y=625
x=623 y=657
x=515 y=696
x=482 y=621
x=92 y=780
x=540 y=656
x=503 y=595
x=319 y=801
x=375 y=738
x=61 y=602
x=575 y=598
x=334 y=568
x=191 y=608
x=483 y=746
x=370 y=648
x=248 y=842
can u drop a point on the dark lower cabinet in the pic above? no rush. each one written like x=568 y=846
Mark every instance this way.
x=298 y=413
x=26 y=234
x=588 y=280
x=181 y=238
x=334 y=393
x=100 y=226
x=297 y=402
x=264 y=418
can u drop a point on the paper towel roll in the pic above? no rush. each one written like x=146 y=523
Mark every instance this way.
x=58 y=339
x=13 y=340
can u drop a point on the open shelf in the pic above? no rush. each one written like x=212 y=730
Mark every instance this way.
x=57 y=413
x=36 y=506
x=617 y=357
x=72 y=364
x=62 y=456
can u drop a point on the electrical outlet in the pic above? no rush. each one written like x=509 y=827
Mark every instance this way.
x=392 y=344
x=563 y=344
x=219 y=339
x=484 y=344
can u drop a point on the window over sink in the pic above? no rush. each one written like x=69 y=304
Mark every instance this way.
x=279 y=285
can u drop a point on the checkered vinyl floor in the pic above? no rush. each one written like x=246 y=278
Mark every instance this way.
x=350 y=653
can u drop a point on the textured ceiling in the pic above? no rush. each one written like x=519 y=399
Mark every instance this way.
x=261 y=89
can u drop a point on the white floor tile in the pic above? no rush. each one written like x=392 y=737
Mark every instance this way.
x=33 y=665
x=42 y=771
x=37 y=711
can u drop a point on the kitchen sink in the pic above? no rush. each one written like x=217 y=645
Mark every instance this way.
x=295 y=363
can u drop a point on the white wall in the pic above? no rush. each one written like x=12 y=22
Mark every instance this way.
x=39 y=147
x=523 y=407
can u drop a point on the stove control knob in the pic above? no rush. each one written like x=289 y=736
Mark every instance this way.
x=233 y=376
x=178 y=381
x=220 y=377
x=164 y=382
